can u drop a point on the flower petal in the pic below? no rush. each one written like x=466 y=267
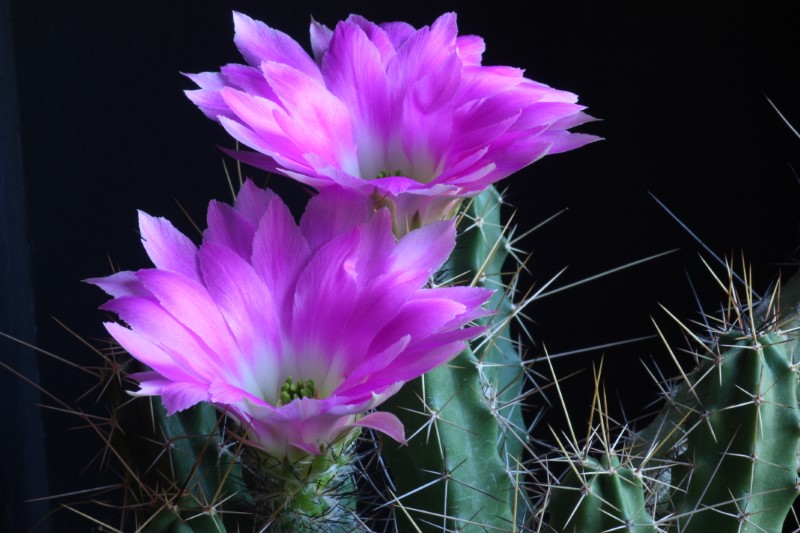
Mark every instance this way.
x=257 y=43
x=168 y=248
x=385 y=423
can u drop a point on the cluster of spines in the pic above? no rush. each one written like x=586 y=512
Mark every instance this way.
x=722 y=453
x=195 y=471
x=465 y=464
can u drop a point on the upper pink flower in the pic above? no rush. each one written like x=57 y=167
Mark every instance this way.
x=409 y=117
x=336 y=300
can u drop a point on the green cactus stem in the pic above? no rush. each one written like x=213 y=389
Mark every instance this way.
x=198 y=478
x=598 y=496
x=459 y=471
x=731 y=426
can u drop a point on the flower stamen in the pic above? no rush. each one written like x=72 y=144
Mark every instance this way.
x=386 y=173
x=292 y=390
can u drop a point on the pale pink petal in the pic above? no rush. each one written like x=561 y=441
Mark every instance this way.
x=315 y=119
x=385 y=423
x=320 y=39
x=182 y=298
x=180 y=396
x=121 y=284
x=258 y=43
x=168 y=248
x=470 y=49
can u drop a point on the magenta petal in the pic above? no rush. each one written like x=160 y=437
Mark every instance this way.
x=420 y=253
x=182 y=298
x=246 y=306
x=252 y=202
x=279 y=253
x=470 y=49
x=377 y=36
x=121 y=284
x=148 y=353
x=259 y=115
x=247 y=79
x=332 y=213
x=354 y=72
x=315 y=119
x=398 y=32
x=386 y=423
x=168 y=248
x=230 y=229
x=259 y=43
x=180 y=396
x=324 y=298
x=320 y=39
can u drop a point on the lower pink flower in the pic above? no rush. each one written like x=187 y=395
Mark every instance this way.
x=296 y=331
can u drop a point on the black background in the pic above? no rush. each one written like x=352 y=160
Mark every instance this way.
x=104 y=129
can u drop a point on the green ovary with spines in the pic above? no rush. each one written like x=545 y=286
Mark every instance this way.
x=474 y=436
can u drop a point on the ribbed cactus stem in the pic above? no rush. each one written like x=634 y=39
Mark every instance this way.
x=742 y=456
x=201 y=476
x=598 y=496
x=460 y=467
x=722 y=454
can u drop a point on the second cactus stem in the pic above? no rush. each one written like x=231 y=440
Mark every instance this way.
x=461 y=468
x=722 y=453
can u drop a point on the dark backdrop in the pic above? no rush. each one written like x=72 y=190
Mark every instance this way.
x=95 y=126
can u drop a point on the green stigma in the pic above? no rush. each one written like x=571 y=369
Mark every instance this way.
x=386 y=173
x=292 y=390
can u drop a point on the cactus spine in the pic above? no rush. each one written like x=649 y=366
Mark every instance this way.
x=725 y=444
x=602 y=496
x=461 y=465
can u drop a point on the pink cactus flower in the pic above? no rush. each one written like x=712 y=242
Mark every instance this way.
x=407 y=117
x=296 y=331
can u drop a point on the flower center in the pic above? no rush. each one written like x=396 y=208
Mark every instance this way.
x=292 y=390
x=386 y=173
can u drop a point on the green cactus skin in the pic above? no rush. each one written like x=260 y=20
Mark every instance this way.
x=459 y=471
x=206 y=481
x=606 y=497
x=745 y=445
x=724 y=448
x=202 y=483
